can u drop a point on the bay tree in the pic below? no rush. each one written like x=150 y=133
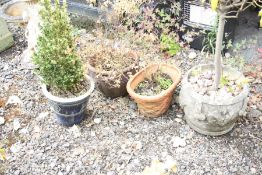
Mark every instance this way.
x=226 y=9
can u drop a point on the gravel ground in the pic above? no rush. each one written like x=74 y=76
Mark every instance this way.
x=114 y=139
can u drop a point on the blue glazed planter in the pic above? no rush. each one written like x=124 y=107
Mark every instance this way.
x=69 y=114
x=69 y=111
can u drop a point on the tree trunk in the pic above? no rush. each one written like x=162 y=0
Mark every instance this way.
x=218 y=54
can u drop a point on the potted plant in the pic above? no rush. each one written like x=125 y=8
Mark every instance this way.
x=152 y=88
x=109 y=54
x=59 y=66
x=213 y=98
x=110 y=63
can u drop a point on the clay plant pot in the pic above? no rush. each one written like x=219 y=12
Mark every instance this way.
x=106 y=83
x=208 y=115
x=154 y=106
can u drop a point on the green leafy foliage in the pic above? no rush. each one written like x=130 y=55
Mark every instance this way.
x=209 y=42
x=224 y=81
x=55 y=56
x=169 y=45
x=2 y=154
x=164 y=83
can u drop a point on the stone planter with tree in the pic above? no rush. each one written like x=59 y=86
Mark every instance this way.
x=59 y=67
x=214 y=96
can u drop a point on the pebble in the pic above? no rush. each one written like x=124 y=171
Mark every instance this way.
x=17 y=172
x=192 y=55
x=60 y=173
x=2 y=120
x=97 y=120
x=23 y=131
x=78 y=151
x=137 y=145
x=178 y=142
x=68 y=168
x=16 y=124
x=133 y=105
x=208 y=75
x=193 y=80
x=111 y=173
x=178 y=120
x=227 y=55
x=253 y=170
x=14 y=100
x=6 y=67
x=42 y=116
x=15 y=148
x=93 y=133
x=179 y=115
x=75 y=130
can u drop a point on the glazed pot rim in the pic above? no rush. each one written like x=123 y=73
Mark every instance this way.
x=69 y=100
x=133 y=94
x=207 y=99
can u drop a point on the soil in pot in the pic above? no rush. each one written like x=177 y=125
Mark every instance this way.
x=153 y=87
x=69 y=107
x=154 y=84
x=78 y=90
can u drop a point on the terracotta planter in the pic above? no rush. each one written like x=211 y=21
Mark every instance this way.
x=154 y=106
x=107 y=84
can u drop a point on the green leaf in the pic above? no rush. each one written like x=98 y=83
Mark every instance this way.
x=260 y=13
x=224 y=81
x=2 y=154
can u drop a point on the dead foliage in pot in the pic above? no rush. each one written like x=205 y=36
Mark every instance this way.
x=111 y=59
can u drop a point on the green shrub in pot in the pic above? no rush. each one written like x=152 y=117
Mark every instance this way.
x=59 y=66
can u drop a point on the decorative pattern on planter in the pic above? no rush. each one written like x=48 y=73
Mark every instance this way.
x=211 y=116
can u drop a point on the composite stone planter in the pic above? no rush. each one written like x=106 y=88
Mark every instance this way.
x=14 y=10
x=6 y=37
x=211 y=116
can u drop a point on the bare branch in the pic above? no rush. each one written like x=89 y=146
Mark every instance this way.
x=256 y=3
x=235 y=4
x=238 y=11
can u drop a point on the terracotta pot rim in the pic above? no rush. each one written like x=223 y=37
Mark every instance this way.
x=133 y=94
